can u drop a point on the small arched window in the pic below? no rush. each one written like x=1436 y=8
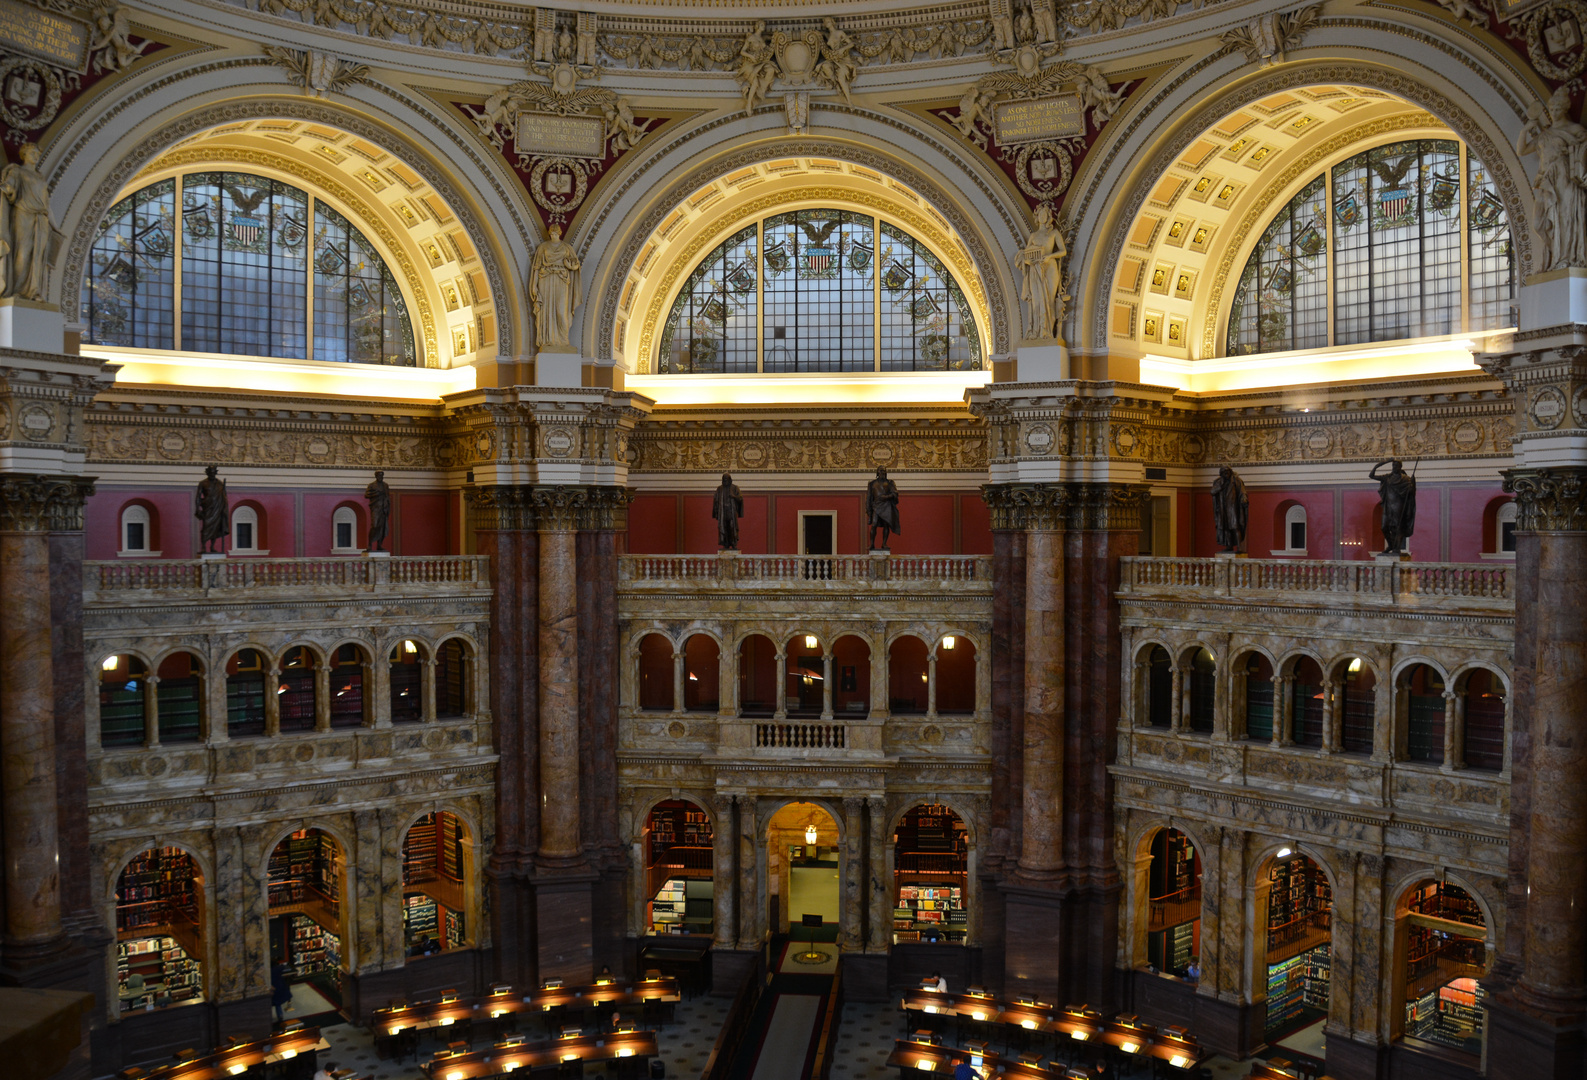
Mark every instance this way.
x=1504 y=529
x=828 y=290
x=254 y=257
x=245 y=531
x=1295 y=530
x=137 y=532
x=344 y=530
x=1389 y=227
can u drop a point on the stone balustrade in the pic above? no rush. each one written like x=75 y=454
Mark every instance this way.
x=1361 y=581
x=128 y=579
x=732 y=571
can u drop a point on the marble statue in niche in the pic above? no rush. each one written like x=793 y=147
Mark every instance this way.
x=1231 y=509
x=554 y=290
x=29 y=240
x=378 y=495
x=1397 y=497
x=1560 y=144
x=213 y=511
x=1041 y=264
x=881 y=509
x=727 y=506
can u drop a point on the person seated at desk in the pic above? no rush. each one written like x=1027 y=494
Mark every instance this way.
x=941 y=986
x=965 y=1071
x=329 y=1071
x=1103 y=1071
x=1193 y=972
x=280 y=991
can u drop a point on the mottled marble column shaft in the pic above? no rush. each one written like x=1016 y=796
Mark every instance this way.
x=559 y=680
x=1041 y=849
x=880 y=916
x=27 y=742
x=853 y=873
x=724 y=842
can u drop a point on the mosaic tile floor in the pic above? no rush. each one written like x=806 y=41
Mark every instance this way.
x=685 y=1045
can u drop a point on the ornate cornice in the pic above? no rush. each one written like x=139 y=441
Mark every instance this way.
x=42 y=503
x=1549 y=500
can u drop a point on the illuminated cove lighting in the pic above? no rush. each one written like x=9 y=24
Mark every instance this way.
x=226 y=372
x=1424 y=356
x=832 y=387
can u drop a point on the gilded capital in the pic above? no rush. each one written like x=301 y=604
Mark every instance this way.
x=606 y=507
x=558 y=508
x=500 y=506
x=43 y=503
x=1549 y=499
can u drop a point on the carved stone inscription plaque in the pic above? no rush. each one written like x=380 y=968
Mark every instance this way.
x=57 y=39
x=567 y=136
x=1044 y=118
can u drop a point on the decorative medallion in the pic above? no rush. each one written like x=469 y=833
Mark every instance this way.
x=1125 y=439
x=5 y=422
x=1579 y=407
x=1548 y=408
x=882 y=455
x=1319 y=443
x=558 y=442
x=319 y=450
x=35 y=422
x=752 y=455
x=677 y=729
x=1554 y=39
x=1039 y=439
x=1466 y=436
x=172 y=446
x=485 y=443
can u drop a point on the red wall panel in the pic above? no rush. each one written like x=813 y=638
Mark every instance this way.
x=421 y=523
x=975 y=525
x=1468 y=520
x=927 y=521
x=699 y=527
x=849 y=525
x=653 y=525
x=171 y=513
x=319 y=508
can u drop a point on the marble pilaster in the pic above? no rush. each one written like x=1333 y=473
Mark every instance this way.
x=1041 y=847
x=724 y=843
x=879 y=921
x=557 y=510
x=749 y=906
x=851 y=935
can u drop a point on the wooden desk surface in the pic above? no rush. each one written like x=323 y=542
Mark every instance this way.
x=909 y=1054
x=426 y=1015
x=498 y=1059
x=217 y=1064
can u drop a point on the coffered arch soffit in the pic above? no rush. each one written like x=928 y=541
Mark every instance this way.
x=646 y=241
x=1136 y=194
x=413 y=157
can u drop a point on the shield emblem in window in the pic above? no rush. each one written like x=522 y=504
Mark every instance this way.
x=1347 y=211
x=1486 y=213
x=897 y=276
x=819 y=261
x=122 y=272
x=859 y=257
x=1394 y=205
x=330 y=260
x=1281 y=279
x=245 y=229
x=1443 y=194
x=740 y=278
x=777 y=258
x=1310 y=241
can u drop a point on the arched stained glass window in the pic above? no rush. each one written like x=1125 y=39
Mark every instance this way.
x=1416 y=243
x=243 y=245
x=712 y=326
x=820 y=290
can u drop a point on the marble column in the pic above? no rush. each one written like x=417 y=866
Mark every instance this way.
x=878 y=879
x=751 y=905
x=677 y=681
x=780 y=698
x=322 y=693
x=377 y=697
x=427 y=689
x=1176 y=698
x=727 y=680
x=559 y=672
x=1552 y=552
x=826 y=687
x=151 y=710
x=272 y=701
x=724 y=842
x=849 y=930
x=931 y=685
x=1454 y=729
x=1284 y=699
x=30 y=508
x=1331 y=704
x=1041 y=846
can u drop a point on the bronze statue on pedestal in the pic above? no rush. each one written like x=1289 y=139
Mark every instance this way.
x=213 y=512
x=727 y=506
x=881 y=509
x=1397 y=496
x=1231 y=509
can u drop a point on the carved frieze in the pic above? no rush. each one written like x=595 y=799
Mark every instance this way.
x=663 y=449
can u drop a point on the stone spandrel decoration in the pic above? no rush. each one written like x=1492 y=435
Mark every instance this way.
x=50 y=54
x=1266 y=39
x=1231 y=509
x=1036 y=122
x=318 y=73
x=1560 y=182
x=823 y=58
x=562 y=134
x=29 y=240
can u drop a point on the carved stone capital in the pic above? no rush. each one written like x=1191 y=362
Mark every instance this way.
x=1107 y=506
x=606 y=507
x=42 y=503
x=500 y=506
x=1550 y=499
x=1027 y=506
x=558 y=508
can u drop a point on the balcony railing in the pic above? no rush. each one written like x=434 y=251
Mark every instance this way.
x=801 y=736
x=780 y=572
x=129 y=579
x=1358 y=581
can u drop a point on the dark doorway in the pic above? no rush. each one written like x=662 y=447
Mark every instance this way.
x=816 y=539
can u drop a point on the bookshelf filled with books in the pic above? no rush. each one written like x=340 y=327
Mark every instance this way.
x=678 y=845
x=682 y=906
x=1173 y=915
x=435 y=858
x=930 y=876
x=156 y=971
x=1445 y=953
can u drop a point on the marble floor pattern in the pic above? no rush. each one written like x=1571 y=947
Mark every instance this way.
x=685 y=1044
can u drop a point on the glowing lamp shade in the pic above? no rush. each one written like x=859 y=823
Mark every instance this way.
x=1080 y=1036
x=925 y=1065
x=1129 y=1047
x=570 y=1057
x=455 y=1074
x=1179 y=1061
x=497 y=1012
x=979 y=1015
x=110 y=663
x=448 y=1021
x=810 y=834
x=237 y=1070
x=949 y=641
x=287 y=1054
x=393 y=1031
x=626 y=1051
x=510 y=1066
x=931 y=1008
x=810 y=641
x=1284 y=853
x=1028 y=1025
x=409 y=647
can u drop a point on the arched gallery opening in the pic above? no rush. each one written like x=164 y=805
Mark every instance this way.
x=803 y=864
x=1173 y=903
x=406 y=682
x=678 y=846
x=308 y=919
x=757 y=676
x=931 y=881
x=123 y=709
x=159 y=930
x=655 y=673
x=702 y=674
x=1295 y=901
x=436 y=857
x=1441 y=950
